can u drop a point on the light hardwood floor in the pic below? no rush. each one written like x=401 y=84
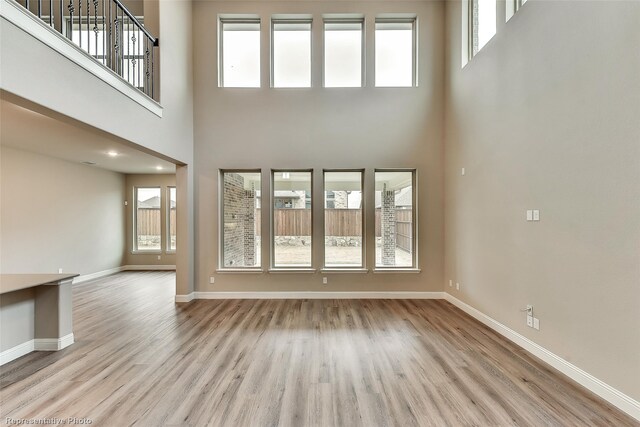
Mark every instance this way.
x=140 y=359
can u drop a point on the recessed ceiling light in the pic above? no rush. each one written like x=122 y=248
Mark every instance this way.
x=159 y=168
x=112 y=153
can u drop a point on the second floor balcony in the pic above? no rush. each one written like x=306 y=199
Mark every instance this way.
x=112 y=32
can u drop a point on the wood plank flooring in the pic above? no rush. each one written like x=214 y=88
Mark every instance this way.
x=140 y=359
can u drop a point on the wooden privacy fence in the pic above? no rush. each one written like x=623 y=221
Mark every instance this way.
x=338 y=222
x=148 y=221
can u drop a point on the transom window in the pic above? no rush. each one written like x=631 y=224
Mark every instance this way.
x=343 y=53
x=291 y=52
x=395 y=52
x=239 y=57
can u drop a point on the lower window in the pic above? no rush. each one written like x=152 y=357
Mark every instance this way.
x=241 y=219
x=147 y=219
x=291 y=195
x=395 y=215
x=343 y=223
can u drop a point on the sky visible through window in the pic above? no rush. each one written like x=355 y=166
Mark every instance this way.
x=394 y=54
x=292 y=54
x=486 y=21
x=241 y=55
x=343 y=54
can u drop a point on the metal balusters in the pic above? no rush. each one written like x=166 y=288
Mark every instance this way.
x=152 y=75
x=79 y=23
x=109 y=59
x=88 y=31
x=104 y=34
x=71 y=10
x=61 y=3
x=146 y=69
x=50 y=12
x=39 y=8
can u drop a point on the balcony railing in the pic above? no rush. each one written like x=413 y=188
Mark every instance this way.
x=107 y=31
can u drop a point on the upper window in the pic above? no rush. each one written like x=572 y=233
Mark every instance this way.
x=395 y=219
x=147 y=219
x=395 y=52
x=291 y=218
x=240 y=219
x=343 y=53
x=343 y=220
x=171 y=221
x=239 y=53
x=291 y=52
x=483 y=20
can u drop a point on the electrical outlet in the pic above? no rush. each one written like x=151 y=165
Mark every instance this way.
x=536 y=215
x=158 y=257
x=536 y=323
x=530 y=321
x=324 y=281
x=212 y=280
x=59 y=271
x=462 y=171
x=457 y=286
x=529 y=215
x=450 y=283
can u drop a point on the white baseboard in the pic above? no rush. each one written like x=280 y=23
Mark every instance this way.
x=53 y=344
x=148 y=267
x=86 y=277
x=317 y=295
x=605 y=391
x=185 y=298
x=18 y=351
x=38 y=344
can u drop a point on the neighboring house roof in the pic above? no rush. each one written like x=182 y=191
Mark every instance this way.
x=287 y=195
x=153 y=203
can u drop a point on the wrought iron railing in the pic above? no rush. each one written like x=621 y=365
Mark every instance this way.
x=107 y=31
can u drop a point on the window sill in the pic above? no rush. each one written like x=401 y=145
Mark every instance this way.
x=240 y=270
x=149 y=252
x=292 y=270
x=332 y=270
x=396 y=270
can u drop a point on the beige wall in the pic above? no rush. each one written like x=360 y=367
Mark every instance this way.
x=546 y=117
x=164 y=182
x=57 y=214
x=320 y=128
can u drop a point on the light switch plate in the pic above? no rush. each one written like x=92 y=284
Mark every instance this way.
x=462 y=171
x=212 y=280
x=529 y=215
x=530 y=321
x=536 y=323
x=536 y=215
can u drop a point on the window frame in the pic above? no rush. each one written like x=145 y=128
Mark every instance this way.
x=237 y=20
x=168 y=249
x=272 y=45
x=363 y=61
x=363 y=264
x=135 y=249
x=221 y=267
x=414 y=222
x=272 y=238
x=414 y=47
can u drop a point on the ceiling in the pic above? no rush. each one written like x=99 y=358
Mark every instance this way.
x=31 y=131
